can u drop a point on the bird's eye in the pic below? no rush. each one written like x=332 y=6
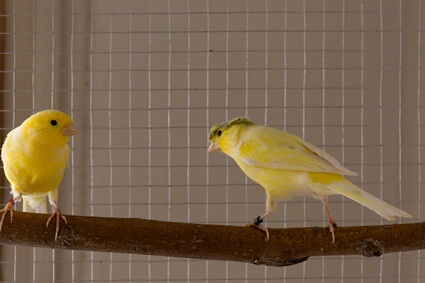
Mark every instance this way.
x=219 y=133
x=53 y=122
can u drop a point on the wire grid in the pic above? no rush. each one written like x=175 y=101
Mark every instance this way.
x=145 y=80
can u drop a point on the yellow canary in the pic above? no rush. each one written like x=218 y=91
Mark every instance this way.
x=35 y=155
x=286 y=166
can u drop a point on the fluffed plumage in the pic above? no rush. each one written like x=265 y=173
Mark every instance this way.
x=286 y=166
x=35 y=155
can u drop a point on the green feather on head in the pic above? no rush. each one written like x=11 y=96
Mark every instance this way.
x=226 y=125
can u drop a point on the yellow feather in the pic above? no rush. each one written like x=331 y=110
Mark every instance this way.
x=286 y=166
x=35 y=155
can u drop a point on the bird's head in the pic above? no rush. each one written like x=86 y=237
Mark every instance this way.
x=224 y=136
x=51 y=127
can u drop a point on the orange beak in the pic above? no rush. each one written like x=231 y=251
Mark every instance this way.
x=70 y=131
x=213 y=148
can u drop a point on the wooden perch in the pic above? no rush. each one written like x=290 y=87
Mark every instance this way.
x=217 y=242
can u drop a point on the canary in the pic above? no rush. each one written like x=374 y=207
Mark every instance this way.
x=34 y=156
x=287 y=166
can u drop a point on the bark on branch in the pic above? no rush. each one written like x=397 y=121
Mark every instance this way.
x=216 y=242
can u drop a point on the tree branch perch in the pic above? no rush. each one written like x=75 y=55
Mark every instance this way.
x=216 y=242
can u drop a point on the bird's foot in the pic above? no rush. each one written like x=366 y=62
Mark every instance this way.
x=7 y=207
x=257 y=224
x=332 y=226
x=58 y=215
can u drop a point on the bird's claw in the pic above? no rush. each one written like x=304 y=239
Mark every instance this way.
x=332 y=226
x=257 y=224
x=58 y=215
x=8 y=207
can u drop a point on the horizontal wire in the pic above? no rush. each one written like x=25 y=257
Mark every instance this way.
x=183 y=108
x=184 y=185
x=289 y=125
x=49 y=71
x=236 y=166
x=176 y=51
x=94 y=14
x=210 y=89
x=295 y=202
x=333 y=258
x=84 y=261
x=166 y=187
x=338 y=146
x=133 y=32
x=227 y=279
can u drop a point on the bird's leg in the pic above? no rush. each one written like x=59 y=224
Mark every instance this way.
x=58 y=215
x=270 y=208
x=331 y=222
x=257 y=223
x=8 y=207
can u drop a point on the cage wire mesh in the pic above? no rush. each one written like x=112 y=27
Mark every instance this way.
x=144 y=80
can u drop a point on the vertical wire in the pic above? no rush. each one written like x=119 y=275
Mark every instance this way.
x=34 y=265
x=343 y=122
x=71 y=67
x=91 y=133
x=246 y=111
x=285 y=26
x=323 y=108
x=130 y=136
x=303 y=108
x=304 y=79
x=400 y=109
x=362 y=124
x=111 y=255
x=150 y=129
x=169 y=125
x=71 y=63
x=246 y=77
x=15 y=250
x=227 y=118
x=188 y=127
x=381 y=171
x=266 y=57
x=14 y=87
x=266 y=97
x=52 y=94
x=33 y=57
x=208 y=124
x=399 y=126
x=419 y=131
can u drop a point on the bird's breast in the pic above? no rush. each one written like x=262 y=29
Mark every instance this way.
x=281 y=184
x=35 y=170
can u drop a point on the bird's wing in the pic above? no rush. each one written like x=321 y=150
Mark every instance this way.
x=270 y=148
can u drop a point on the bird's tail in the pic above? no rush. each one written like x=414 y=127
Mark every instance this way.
x=349 y=190
x=35 y=204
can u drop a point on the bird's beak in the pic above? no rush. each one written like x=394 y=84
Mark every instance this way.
x=213 y=148
x=70 y=131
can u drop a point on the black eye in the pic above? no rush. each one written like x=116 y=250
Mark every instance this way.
x=219 y=133
x=53 y=122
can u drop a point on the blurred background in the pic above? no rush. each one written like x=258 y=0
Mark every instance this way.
x=144 y=80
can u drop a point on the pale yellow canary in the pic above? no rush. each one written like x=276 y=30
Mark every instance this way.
x=287 y=166
x=35 y=155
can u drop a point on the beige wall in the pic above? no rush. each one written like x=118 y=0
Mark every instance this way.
x=343 y=77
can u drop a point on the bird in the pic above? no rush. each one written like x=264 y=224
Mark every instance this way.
x=35 y=155
x=287 y=166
